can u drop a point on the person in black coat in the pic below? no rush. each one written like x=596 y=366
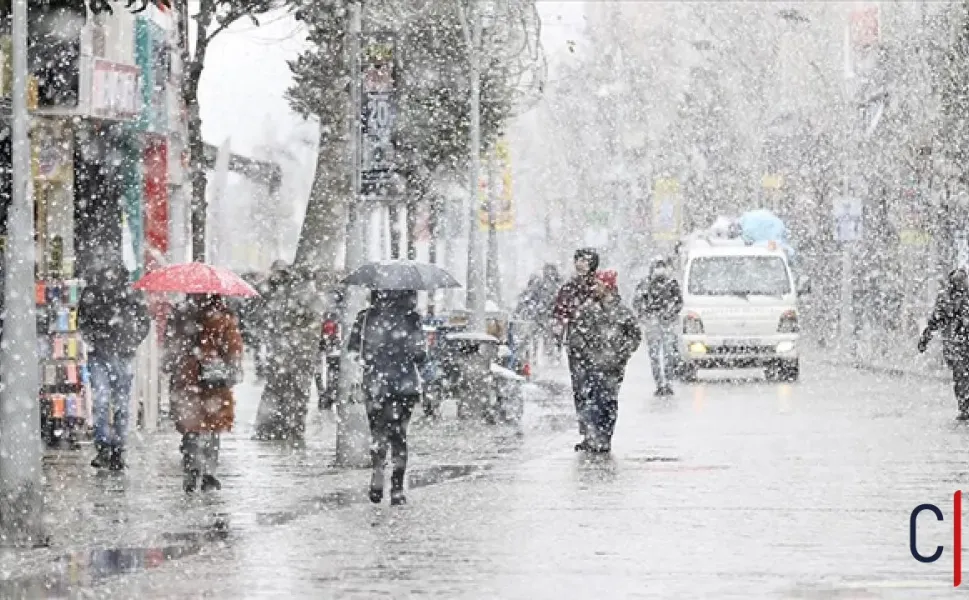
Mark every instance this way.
x=570 y=297
x=389 y=338
x=604 y=337
x=950 y=316
x=113 y=319
x=657 y=303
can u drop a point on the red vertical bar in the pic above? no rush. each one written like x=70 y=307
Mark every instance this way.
x=957 y=538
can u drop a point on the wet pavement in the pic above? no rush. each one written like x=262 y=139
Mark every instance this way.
x=732 y=488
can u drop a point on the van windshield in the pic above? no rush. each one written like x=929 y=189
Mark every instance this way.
x=739 y=276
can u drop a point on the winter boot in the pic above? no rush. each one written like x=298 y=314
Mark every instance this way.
x=377 y=459
x=190 y=469
x=377 y=486
x=209 y=483
x=397 y=497
x=116 y=461
x=602 y=447
x=190 y=480
x=103 y=458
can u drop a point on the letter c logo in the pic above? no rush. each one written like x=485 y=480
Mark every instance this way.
x=912 y=536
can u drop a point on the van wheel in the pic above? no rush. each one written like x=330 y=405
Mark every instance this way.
x=787 y=371
x=790 y=371
x=690 y=373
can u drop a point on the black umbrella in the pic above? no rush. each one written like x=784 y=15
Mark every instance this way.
x=401 y=275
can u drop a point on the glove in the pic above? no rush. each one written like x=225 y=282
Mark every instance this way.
x=924 y=341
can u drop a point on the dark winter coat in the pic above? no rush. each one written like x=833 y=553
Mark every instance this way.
x=112 y=317
x=658 y=298
x=950 y=317
x=390 y=340
x=573 y=294
x=604 y=335
x=537 y=302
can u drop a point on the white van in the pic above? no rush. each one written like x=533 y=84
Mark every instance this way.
x=740 y=310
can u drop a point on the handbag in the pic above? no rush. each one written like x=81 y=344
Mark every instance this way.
x=217 y=373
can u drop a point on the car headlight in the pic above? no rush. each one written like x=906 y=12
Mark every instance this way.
x=784 y=347
x=697 y=348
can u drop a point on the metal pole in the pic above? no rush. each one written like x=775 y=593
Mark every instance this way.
x=493 y=271
x=475 y=297
x=21 y=450
x=352 y=435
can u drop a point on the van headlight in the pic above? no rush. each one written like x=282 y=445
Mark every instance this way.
x=785 y=347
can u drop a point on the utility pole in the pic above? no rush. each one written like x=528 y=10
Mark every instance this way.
x=494 y=189
x=21 y=448
x=352 y=435
x=475 y=297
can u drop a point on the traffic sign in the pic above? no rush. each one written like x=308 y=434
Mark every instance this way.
x=848 y=213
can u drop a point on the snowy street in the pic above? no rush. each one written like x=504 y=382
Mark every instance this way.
x=730 y=488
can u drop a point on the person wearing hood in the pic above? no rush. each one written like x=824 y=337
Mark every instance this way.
x=604 y=337
x=658 y=303
x=389 y=339
x=537 y=303
x=113 y=320
x=950 y=316
x=570 y=297
x=203 y=359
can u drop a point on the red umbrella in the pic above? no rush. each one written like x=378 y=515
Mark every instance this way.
x=196 y=278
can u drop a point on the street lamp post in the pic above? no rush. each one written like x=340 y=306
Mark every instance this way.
x=352 y=438
x=21 y=449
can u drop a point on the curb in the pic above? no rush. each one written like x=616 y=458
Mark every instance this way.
x=891 y=371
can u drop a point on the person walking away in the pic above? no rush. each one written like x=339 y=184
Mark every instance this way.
x=572 y=295
x=204 y=361
x=950 y=316
x=604 y=336
x=390 y=342
x=658 y=303
x=545 y=299
x=527 y=310
x=113 y=320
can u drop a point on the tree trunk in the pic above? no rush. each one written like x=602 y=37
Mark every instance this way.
x=393 y=215
x=196 y=144
x=412 y=205
x=324 y=225
x=200 y=178
x=433 y=217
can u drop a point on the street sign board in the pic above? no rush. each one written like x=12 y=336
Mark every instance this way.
x=848 y=213
x=667 y=209
x=379 y=111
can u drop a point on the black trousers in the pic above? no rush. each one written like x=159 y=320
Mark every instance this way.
x=960 y=382
x=389 y=416
x=578 y=382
